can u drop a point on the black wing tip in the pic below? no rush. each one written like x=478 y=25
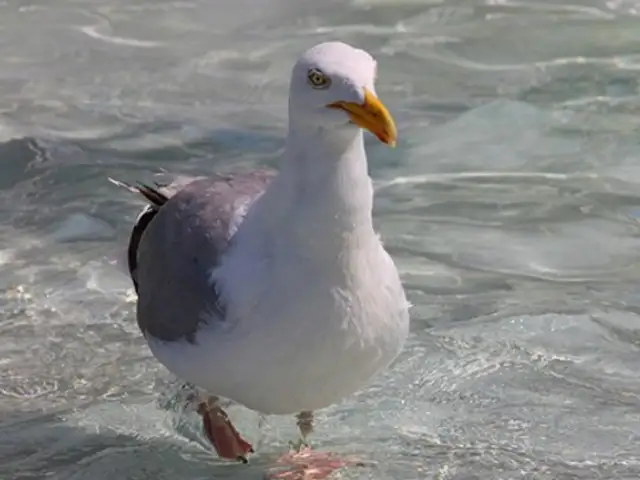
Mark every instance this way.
x=157 y=199
x=154 y=195
x=134 y=242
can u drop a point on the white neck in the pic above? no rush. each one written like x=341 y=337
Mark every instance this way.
x=328 y=173
x=322 y=199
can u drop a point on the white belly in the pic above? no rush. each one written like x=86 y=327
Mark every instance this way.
x=295 y=348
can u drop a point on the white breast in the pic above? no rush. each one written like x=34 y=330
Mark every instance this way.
x=303 y=335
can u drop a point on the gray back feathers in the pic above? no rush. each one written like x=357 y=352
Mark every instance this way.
x=177 y=241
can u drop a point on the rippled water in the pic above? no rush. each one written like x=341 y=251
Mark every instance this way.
x=511 y=205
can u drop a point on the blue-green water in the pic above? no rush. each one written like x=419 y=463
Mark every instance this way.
x=511 y=206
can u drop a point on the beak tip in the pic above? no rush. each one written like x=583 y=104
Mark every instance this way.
x=388 y=139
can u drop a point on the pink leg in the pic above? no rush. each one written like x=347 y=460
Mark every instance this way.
x=221 y=433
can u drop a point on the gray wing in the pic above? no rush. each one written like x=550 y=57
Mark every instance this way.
x=178 y=238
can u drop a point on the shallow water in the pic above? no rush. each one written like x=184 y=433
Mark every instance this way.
x=511 y=205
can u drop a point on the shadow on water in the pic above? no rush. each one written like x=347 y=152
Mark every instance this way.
x=42 y=180
x=38 y=446
x=164 y=146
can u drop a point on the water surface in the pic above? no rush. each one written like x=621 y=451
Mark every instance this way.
x=511 y=205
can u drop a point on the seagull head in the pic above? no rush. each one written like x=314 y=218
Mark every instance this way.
x=333 y=88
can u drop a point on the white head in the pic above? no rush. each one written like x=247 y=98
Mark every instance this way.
x=333 y=88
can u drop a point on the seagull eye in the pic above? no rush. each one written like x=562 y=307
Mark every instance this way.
x=317 y=79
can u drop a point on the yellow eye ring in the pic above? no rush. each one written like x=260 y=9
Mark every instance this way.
x=317 y=79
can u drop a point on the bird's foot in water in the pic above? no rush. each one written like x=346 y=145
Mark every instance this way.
x=307 y=464
x=297 y=447
x=222 y=434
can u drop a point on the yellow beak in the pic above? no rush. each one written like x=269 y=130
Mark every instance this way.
x=371 y=115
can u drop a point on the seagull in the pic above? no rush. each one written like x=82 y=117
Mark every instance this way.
x=272 y=288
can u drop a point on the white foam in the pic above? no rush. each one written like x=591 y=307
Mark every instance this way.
x=6 y=256
x=443 y=177
x=92 y=31
x=135 y=420
x=104 y=278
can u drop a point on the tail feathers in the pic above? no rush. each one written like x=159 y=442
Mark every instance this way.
x=153 y=195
